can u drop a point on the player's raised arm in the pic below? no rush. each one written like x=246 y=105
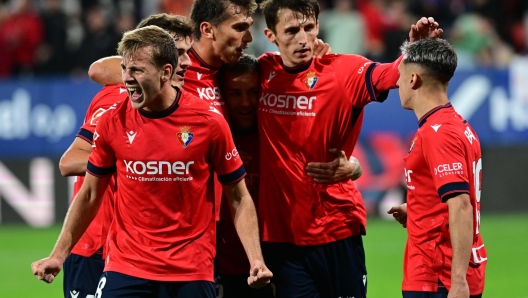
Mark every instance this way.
x=106 y=71
x=80 y=214
x=246 y=224
x=339 y=169
x=73 y=161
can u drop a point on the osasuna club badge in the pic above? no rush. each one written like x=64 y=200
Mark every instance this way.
x=310 y=80
x=185 y=136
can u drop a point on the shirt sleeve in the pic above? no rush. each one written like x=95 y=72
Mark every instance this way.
x=226 y=160
x=101 y=161
x=445 y=153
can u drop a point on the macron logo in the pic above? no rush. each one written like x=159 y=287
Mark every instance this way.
x=74 y=294
x=436 y=127
x=271 y=76
x=131 y=135
x=199 y=75
x=214 y=110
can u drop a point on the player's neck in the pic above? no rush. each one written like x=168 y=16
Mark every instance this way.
x=426 y=102
x=205 y=50
x=164 y=100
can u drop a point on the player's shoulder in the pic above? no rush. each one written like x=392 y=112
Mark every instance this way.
x=269 y=57
x=346 y=62
x=196 y=105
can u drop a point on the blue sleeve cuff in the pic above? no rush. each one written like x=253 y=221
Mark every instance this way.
x=85 y=135
x=370 y=88
x=451 y=189
x=100 y=172
x=233 y=177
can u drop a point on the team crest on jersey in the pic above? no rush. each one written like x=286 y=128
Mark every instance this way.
x=412 y=145
x=185 y=136
x=310 y=80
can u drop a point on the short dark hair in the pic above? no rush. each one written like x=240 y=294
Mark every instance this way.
x=436 y=55
x=271 y=8
x=246 y=64
x=215 y=12
x=181 y=26
x=163 y=47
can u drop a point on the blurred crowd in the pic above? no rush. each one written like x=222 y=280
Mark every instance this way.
x=63 y=37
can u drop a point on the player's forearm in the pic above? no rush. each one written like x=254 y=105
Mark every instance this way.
x=461 y=231
x=106 y=71
x=246 y=224
x=385 y=76
x=73 y=163
x=358 y=171
x=80 y=214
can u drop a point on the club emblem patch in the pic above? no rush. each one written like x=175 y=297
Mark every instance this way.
x=310 y=80
x=185 y=136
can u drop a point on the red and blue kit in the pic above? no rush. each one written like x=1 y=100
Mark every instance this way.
x=304 y=112
x=95 y=236
x=444 y=160
x=164 y=224
x=231 y=256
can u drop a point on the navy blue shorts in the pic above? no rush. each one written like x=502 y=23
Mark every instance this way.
x=335 y=269
x=441 y=293
x=113 y=285
x=236 y=286
x=81 y=275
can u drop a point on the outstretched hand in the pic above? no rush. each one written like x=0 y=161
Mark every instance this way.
x=400 y=214
x=46 y=269
x=424 y=28
x=259 y=275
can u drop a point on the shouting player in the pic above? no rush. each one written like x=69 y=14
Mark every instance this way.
x=162 y=238
x=444 y=255
x=312 y=233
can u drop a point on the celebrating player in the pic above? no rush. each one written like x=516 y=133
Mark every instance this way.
x=312 y=233
x=163 y=234
x=444 y=255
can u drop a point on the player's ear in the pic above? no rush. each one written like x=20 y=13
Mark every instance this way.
x=416 y=81
x=167 y=73
x=206 y=29
x=270 y=35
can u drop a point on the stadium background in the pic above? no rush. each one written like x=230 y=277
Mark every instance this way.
x=47 y=46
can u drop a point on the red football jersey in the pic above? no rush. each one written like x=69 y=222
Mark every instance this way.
x=303 y=113
x=444 y=159
x=164 y=210
x=231 y=256
x=95 y=236
x=200 y=80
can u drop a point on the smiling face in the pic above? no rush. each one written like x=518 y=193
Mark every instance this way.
x=183 y=45
x=143 y=79
x=232 y=36
x=295 y=36
x=241 y=97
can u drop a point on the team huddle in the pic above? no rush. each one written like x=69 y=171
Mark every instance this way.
x=198 y=164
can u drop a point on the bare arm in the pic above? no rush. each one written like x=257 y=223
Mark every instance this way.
x=73 y=161
x=340 y=169
x=106 y=71
x=246 y=224
x=461 y=230
x=81 y=213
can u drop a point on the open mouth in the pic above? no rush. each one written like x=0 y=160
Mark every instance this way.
x=135 y=93
x=303 y=51
x=181 y=74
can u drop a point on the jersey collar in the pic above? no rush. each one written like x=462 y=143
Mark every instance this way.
x=296 y=69
x=195 y=55
x=424 y=117
x=166 y=112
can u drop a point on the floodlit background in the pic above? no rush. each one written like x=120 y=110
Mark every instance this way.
x=47 y=46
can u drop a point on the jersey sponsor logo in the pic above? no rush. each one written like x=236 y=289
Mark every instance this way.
x=449 y=169
x=230 y=155
x=287 y=101
x=362 y=68
x=155 y=167
x=436 y=127
x=271 y=76
x=95 y=137
x=469 y=135
x=310 y=80
x=214 y=110
x=96 y=116
x=209 y=93
x=185 y=136
x=131 y=136
x=199 y=74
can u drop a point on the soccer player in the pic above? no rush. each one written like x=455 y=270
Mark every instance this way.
x=444 y=255
x=164 y=144
x=84 y=266
x=312 y=233
x=240 y=85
